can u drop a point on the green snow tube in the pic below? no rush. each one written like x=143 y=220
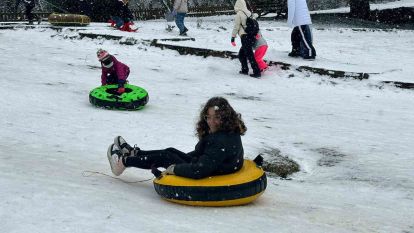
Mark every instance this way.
x=134 y=97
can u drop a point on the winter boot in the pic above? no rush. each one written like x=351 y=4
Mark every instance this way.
x=294 y=53
x=125 y=148
x=264 y=69
x=256 y=75
x=245 y=72
x=311 y=58
x=127 y=27
x=115 y=158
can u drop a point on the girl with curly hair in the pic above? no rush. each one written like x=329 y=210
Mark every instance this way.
x=218 y=152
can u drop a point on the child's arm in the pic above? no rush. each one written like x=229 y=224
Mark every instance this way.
x=103 y=77
x=122 y=71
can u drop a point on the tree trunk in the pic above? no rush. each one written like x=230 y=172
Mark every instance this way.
x=359 y=9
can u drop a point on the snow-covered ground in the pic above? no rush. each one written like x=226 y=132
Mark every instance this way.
x=378 y=6
x=388 y=53
x=352 y=140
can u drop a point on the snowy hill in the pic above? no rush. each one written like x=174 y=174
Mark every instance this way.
x=352 y=139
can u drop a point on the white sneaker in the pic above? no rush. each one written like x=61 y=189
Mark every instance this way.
x=126 y=149
x=115 y=160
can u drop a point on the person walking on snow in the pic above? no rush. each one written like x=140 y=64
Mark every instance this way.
x=29 y=5
x=301 y=37
x=181 y=9
x=218 y=152
x=113 y=71
x=247 y=41
x=260 y=48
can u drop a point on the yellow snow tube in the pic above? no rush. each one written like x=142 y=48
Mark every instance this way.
x=239 y=188
x=57 y=19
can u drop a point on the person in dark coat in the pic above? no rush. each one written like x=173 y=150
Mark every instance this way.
x=29 y=5
x=218 y=152
x=247 y=41
x=122 y=16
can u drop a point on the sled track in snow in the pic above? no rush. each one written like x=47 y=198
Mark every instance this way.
x=183 y=50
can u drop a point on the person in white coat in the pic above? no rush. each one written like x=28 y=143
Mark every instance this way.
x=247 y=41
x=301 y=37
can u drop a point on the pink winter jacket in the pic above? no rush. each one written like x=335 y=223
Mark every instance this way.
x=119 y=69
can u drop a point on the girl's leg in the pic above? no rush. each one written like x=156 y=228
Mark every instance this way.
x=157 y=158
x=243 y=62
x=247 y=46
x=258 y=55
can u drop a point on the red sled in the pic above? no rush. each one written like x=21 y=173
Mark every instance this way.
x=126 y=27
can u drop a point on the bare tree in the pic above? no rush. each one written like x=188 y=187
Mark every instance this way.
x=359 y=9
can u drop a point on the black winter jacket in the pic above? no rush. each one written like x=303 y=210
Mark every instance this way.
x=216 y=154
x=29 y=3
x=122 y=10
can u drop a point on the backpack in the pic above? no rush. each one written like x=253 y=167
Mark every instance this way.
x=252 y=26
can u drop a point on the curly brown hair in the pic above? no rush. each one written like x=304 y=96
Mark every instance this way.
x=231 y=121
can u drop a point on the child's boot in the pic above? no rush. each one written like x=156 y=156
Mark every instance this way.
x=126 y=149
x=115 y=158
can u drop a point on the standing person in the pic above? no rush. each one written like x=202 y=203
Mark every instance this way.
x=218 y=152
x=113 y=71
x=247 y=41
x=260 y=48
x=301 y=37
x=29 y=5
x=181 y=9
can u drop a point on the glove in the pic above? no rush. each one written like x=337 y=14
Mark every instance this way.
x=170 y=170
x=157 y=173
x=257 y=36
x=232 y=41
x=174 y=12
x=121 y=90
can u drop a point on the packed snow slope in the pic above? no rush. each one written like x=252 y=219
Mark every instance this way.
x=352 y=139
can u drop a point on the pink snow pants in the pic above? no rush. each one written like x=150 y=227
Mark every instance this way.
x=258 y=55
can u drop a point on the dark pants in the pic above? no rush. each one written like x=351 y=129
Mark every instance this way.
x=157 y=158
x=119 y=22
x=30 y=16
x=246 y=53
x=179 y=20
x=301 y=39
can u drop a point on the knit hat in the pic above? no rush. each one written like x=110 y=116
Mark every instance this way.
x=102 y=54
